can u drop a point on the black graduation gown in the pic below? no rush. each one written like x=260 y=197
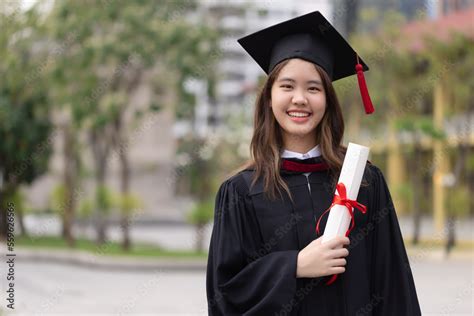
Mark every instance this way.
x=255 y=242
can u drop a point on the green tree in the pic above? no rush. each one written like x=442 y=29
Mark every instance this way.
x=128 y=204
x=120 y=46
x=403 y=87
x=451 y=62
x=25 y=125
x=199 y=216
x=417 y=127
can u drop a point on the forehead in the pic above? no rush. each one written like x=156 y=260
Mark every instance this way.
x=299 y=69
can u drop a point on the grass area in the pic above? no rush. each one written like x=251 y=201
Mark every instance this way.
x=147 y=250
x=463 y=245
x=108 y=249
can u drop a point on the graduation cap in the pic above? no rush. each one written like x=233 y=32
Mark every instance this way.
x=310 y=37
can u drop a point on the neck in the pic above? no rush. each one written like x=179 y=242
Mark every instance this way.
x=299 y=144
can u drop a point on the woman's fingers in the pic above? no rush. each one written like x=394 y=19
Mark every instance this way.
x=339 y=253
x=337 y=242
x=346 y=241
x=338 y=262
x=337 y=270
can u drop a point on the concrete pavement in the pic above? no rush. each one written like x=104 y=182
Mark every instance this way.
x=43 y=288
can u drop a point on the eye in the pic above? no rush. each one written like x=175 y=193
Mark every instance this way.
x=314 y=89
x=286 y=86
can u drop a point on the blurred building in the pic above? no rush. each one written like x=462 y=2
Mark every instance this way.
x=348 y=15
x=236 y=73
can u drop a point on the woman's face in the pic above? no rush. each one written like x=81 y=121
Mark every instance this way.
x=298 y=100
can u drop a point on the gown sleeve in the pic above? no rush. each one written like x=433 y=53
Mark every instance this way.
x=235 y=284
x=393 y=289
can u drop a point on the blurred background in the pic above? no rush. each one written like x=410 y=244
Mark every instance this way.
x=119 y=120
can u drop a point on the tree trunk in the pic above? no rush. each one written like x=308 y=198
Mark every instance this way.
x=463 y=152
x=69 y=178
x=416 y=181
x=471 y=189
x=3 y=216
x=125 y=189
x=200 y=236
x=21 y=222
x=100 y=211
x=100 y=144
x=5 y=194
x=416 y=227
x=120 y=143
x=451 y=240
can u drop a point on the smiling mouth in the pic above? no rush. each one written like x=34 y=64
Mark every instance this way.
x=298 y=114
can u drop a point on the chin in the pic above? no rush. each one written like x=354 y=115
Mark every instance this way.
x=300 y=133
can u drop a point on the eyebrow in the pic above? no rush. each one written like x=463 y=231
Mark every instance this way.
x=309 y=81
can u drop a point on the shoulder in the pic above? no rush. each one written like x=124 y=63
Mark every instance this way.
x=233 y=194
x=377 y=186
x=373 y=175
x=239 y=182
x=373 y=179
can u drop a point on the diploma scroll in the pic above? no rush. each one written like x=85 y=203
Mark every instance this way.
x=351 y=176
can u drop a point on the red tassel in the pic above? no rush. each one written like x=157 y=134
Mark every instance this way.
x=364 y=92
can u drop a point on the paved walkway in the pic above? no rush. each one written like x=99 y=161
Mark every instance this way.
x=65 y=282
x=43 y=288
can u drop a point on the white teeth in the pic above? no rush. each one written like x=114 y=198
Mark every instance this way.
x=298 y=114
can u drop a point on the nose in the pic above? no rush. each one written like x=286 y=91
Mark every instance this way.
x=299 y=97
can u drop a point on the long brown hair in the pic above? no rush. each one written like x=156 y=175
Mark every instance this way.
x=267 y=142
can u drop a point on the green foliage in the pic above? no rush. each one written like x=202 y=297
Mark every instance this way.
x=25 y=125
x=105 y=199
x=198 y=169
x=422 y=125
x=129 y=202
x=111 y=49
x=18 y=198
x=453 y=62
x=402 y=81
x=458 y=201
x=202 y=212
x=155 y=107
x=404 y=191
x=86 y=208
x=15 y=196
x=57 y=199
x=470 y=163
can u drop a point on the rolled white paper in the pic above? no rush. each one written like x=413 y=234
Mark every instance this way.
x=351 y=175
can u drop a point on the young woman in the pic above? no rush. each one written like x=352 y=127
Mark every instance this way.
x=265 y=256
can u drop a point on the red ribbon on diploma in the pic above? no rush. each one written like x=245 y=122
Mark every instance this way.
x=342 y=199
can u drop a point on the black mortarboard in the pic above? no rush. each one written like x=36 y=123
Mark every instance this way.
x=310 y=37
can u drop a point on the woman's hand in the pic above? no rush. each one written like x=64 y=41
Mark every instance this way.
x=321 y=259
